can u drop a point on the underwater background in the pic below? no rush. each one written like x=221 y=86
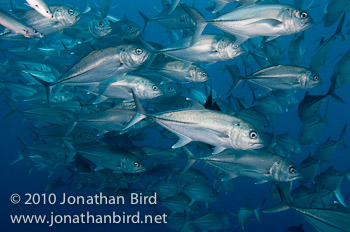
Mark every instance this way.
x=22 y=177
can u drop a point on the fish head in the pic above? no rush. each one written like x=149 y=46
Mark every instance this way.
x=284 y=171
x=130 y=30
x=99 y=27
x=43 y=9
x=133 y=55
x=228 y=49
x=132 y=164
x=33 y=33
x=243 y=137
x=66 y=15
x=197 y=74
x=310 y=80
x=168 y=89
x=296 y=20
x=148 y=90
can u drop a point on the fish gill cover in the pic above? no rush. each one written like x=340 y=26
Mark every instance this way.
x=221 y=115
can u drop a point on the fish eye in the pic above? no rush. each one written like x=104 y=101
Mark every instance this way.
x=138 y=51
x=47 y=12
x=154 y=87
x=204 y=74
x=35 y=31
x=292 y=170
x=101 y=24
x=303 y=15
x=71 y=12
x=315 y=78
x=169 y=88
x=131 y=28
x=136 y=164
x=253 y=135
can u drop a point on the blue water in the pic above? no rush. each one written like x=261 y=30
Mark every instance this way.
x=18 y=178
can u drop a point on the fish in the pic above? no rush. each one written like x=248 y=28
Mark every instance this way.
x=11 y=23
x=253 y=163
x=63 y=16
x=105 y=63
x=211 y=127
x=118 y=160
x=272 y=20
x=89 y=25
x=284 y=77
x=341 y=71
x=310 y=106
x=40 y=6
x=325 y=150
x=296 y=50
x=333 y=11
x=208 y=48
x=319 y=58
x=180 y=71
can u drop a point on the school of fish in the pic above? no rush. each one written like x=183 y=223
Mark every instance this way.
x=116 y=112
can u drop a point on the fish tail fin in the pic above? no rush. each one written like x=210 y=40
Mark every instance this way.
x=191 y=159
x=342 y=135
x=140 y=114
x=71 y=150
x=87 y=7
x=25 y=146
x=198 y=19
x=339 y=197
x=146 y=19
x=256 y=211
x=48 y=87
x=12 y=111
x=235 y=79
x=173 y=5
x=338 y=33
x=331 y=91
x=285 y=202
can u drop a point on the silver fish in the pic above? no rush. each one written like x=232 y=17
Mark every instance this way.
x=62 y=17
x=208 y=48
x=254 y=163
x=17 y=26
x=246 y=22
x=105 y=63
x=211 y=127
x=41 y=7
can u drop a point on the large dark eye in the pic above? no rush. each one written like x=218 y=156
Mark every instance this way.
x=71 y=12
x=253 y=135
x=138 y=51
x=154 y=87
x=136 y=164
x=170 y=88
x=303 y=15
x=101 y=24
x=315 y=78
x=131 y=28
x=292 y=170
x=204 y=74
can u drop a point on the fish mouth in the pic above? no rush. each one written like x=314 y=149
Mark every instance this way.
x=256 y=145
x=296 y=177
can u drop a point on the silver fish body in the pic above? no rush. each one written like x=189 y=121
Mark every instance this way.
x=17 y=26
x=208 y=48
x=285 y=77
x=62 y=17
x=263 y=20
x=105 y=63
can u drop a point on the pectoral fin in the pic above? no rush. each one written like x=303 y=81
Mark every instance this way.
x=181 y=142
x=218 y=149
